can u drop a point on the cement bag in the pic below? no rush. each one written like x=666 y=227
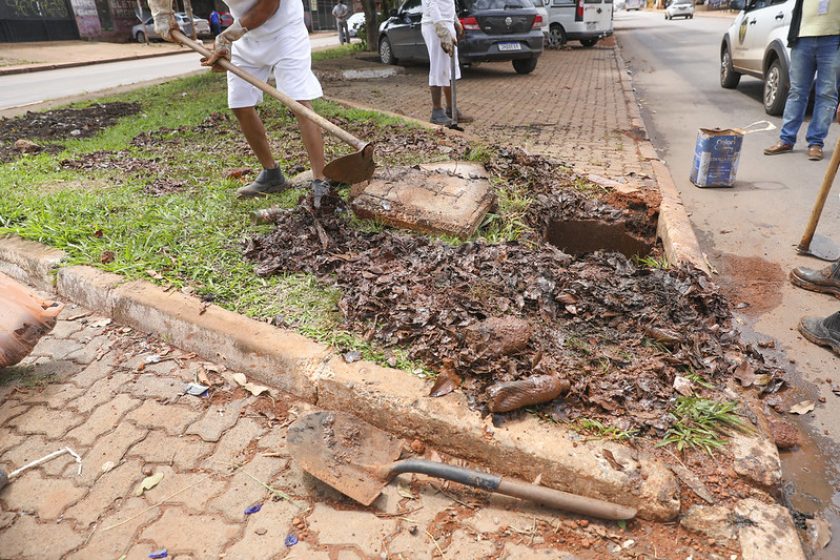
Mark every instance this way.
x=24 y=319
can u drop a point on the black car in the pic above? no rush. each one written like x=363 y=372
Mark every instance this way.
x=494 y=30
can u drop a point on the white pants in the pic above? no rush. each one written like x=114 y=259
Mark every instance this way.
x=288 y=53
x=439 y=61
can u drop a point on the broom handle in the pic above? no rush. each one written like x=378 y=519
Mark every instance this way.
x=296 y=108
x=828 y=180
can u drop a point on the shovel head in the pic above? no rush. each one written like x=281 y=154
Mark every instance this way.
x=348 y=454
x=822 y=248
x=351 y=169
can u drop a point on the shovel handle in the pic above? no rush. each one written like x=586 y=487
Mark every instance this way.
x=828 y=180
x=531 y=492
x=296 y=108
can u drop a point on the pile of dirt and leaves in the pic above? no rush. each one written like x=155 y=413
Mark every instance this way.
x=18 y=135
x=627 y=338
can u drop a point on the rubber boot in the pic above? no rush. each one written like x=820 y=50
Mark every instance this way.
x=439 y=117
x=826 y=280
x=267 y=182
x=320 y=189
x=824 y=332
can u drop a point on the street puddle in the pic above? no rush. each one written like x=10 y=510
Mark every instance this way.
x=579 y=237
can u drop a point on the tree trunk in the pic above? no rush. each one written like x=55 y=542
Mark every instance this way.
x=371 y=25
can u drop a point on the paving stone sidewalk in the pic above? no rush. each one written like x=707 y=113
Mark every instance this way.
x=572 y=108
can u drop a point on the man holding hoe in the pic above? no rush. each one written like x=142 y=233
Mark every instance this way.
x=265 y=35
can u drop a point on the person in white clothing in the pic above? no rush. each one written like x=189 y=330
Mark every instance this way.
x=265 y=35
x=441 y=29
x=341 y=12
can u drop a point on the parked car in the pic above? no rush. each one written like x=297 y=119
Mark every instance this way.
x=354 y=22
x=680 y=8
x=634 y=5
x=494 y=30
x=542 y=9
x=756 y=45
x=587 y=21
x=147 y=29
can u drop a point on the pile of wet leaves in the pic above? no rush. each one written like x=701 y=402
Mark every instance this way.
x=489 y=315
x=18 y=134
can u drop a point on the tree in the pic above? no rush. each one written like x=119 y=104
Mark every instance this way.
x=371 y=24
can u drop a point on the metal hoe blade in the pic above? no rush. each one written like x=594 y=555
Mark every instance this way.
x=330 y=446
x=822 y=248
x=351 y=169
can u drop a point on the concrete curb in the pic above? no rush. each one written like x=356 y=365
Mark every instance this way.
x=674 y=227
x=387 y=398
x=43 y=67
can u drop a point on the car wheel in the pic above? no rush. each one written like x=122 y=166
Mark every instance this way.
x=775 y=89
x=386 y=52
x=525 y=65
x=729 y=78
x=588 y=42
x=140 y=37
x=556 y=35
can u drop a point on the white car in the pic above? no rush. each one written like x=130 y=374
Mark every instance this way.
x=354 y=22
x=680 y=8
x=542 y=10
x=144 y=30
x=587 y=21
x=756 y=45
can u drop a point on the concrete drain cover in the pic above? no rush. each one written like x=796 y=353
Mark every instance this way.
x=450 y=198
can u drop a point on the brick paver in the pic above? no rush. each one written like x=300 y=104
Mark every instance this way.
x=571 y=108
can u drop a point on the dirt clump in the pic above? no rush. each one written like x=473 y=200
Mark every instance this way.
x=785 y=435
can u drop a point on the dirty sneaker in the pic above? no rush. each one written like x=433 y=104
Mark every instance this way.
x=826 y=280
x=824 y=332
x=320 y=189
x=462 y=118
x=439 y=117
x=267 y=182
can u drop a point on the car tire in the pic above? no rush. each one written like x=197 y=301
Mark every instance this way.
x=140 y=37
x=386 y=51
x=588 y=42
x=729 y=78
x=557 y=35
x=775 y=89
x=525 y=65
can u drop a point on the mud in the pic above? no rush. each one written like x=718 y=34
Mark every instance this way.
x=513 y=395
x=751 y=283
x=53 y=127
x=579 y=237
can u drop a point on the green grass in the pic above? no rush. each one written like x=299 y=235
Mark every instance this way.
x=702 y=423
x=336 y=52
x=603 y=431
x=651 y=261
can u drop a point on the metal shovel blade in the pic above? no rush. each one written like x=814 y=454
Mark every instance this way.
x=329 y=446
x=822 y=248
x=351 y=169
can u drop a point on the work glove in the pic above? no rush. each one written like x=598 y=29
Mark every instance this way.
x=224 y=40
x=164 y=17
x=447 y=41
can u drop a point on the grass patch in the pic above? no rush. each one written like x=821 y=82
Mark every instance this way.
x=660 y=263
x=336 y=52
x=702 y=424
x=600 y=430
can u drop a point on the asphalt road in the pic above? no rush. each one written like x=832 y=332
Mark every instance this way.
x=748 y=232
x=29 y=90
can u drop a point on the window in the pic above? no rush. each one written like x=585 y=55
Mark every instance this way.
x=412 y=7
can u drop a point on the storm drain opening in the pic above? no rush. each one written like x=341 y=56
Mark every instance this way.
x=579 y=237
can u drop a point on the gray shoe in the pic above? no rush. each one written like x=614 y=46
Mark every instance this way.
x=826 y=280
x=439 y=117
x=267 y=182
x=320 y=189
x=822 y=331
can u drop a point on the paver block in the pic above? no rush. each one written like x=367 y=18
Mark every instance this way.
x=45 y=497
x=352 y=528
x=110 y=487
x=202 y=535
x=182 y=452
x=114 y=542
x=229 y=450
x=171 y=418
x=102 y=391
x=217 y=419
x=450 y=198
x=110 y=447
x=243 y=491
x=27 y=539
x=42 y=420
x=265 y=532
x=200 y=488
x=30 y=448
x=463 y=545
x=103 y=419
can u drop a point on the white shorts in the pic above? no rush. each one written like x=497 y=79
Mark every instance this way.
x=439 y=61
x=288 y=53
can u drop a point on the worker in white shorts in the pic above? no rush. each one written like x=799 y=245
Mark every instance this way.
x=265 y=35
x=441 y=29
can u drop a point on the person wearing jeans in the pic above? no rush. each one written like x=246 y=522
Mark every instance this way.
x=814 y=38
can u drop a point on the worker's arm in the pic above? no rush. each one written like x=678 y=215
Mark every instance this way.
x=164 y=18
x=252 y=19
x=447 y=39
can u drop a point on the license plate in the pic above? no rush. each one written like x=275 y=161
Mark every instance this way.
x=591 y=25
x=510 y=46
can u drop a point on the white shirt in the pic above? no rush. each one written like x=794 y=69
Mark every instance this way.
x=438 y=10
x=289 y=11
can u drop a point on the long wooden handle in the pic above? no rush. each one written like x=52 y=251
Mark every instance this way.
x=828 y=180
x=294 y=106
x=531 y=492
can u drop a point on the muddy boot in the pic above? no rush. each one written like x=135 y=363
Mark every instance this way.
x=268 y=181
x=824 y=332
x=439 y=117
x=320 y=189
x=826 y=280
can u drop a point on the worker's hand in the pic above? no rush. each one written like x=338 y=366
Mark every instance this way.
x=447 y=41
x=222 y=47
x=459 y=29
x=164 y=18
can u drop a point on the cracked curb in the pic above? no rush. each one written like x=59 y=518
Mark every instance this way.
x=387 y=398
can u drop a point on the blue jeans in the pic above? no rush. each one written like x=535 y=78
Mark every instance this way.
x=811 y=55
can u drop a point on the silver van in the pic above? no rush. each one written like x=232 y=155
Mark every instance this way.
x=587 y=21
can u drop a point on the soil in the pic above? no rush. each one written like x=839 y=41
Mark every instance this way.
x=753 y=284
x=55 y=126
